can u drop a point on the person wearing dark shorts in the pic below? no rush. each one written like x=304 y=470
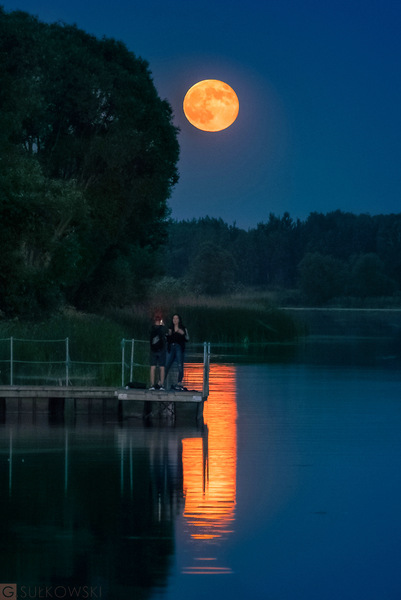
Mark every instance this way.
x=157 y=352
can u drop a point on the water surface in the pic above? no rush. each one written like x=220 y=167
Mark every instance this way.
x=290 y=490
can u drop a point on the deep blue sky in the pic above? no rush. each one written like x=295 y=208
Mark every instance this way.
x=319 y=86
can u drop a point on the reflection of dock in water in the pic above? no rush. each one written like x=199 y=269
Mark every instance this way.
x=103 y=497
x=122 y=485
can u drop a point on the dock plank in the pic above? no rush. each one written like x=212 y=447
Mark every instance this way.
x=127 y=402
x=56 y=391
x=158 y=396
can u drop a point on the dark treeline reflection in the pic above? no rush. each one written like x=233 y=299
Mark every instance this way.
x=89 y=505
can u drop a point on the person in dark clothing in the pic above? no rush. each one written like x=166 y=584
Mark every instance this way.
x=176 y=339
x=157 y=351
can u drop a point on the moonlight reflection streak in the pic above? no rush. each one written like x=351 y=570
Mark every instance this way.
x=209 y=464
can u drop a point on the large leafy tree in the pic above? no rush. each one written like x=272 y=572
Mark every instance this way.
x=84 y=114
x=39 y=242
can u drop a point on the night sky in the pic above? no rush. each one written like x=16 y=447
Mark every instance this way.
x=319 y=86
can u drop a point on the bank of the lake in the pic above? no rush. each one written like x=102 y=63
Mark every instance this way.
x=93 y=343
x=220 y=322
x=342 y=321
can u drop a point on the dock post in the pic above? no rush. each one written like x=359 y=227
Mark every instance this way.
x=206 y=368
x=11 y=360
x=67 y=360
x=69 y=409
x=131 y=371
x=122 y=361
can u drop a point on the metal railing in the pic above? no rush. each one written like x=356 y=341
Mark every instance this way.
x=49 y=363
x=194 y=354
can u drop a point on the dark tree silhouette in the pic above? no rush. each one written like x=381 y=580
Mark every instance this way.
x=84 y=117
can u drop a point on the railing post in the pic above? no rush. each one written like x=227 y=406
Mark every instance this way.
x=66 y=462
x=67 y=360
x=206 y=367
x=122 y=361
x=11 y=361
x=10 y=464
x=131 y=371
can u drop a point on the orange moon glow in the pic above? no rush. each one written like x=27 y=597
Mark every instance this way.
x=211 y=105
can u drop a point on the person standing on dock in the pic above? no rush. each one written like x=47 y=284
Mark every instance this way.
x=176 y=340
x=157 y=352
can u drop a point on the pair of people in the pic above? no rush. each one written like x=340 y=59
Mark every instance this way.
x=175 y=339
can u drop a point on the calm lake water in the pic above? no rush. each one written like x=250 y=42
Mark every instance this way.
x=290 y=491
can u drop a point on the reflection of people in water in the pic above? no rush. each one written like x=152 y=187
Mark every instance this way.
x=176 y=340
x=157 y=351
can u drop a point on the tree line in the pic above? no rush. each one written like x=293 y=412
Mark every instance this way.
x=325 y=257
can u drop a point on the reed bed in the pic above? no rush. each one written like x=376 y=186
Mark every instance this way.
x=235 y=319
x=95 y=341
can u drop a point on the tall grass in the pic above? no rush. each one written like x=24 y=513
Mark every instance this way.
x=89 y=334
x=236 y=319
x=231 y=324
x=95 y=349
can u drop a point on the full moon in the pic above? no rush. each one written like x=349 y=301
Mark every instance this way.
x=211 y=105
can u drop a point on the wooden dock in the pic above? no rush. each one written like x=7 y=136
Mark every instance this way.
x=124 y=402
x=55 y=391
x=148 y=403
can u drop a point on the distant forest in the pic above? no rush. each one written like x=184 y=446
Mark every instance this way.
x=328 y=257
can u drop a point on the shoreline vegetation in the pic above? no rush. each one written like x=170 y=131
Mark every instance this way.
x=97 y=337
x=240 y=327
x=243 y=318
